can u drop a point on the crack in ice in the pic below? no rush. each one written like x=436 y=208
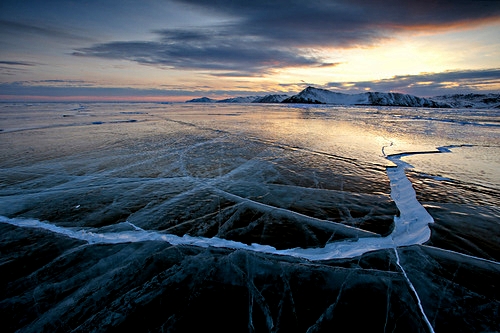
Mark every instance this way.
x=411 y=227
x=431 y=329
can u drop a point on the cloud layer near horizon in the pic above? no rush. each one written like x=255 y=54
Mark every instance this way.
x=261 y=36
x=427 y=84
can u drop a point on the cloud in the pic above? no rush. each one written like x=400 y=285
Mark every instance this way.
x=345 y=22
x=261 y=36
x=84 y=90
x=11 y=68
x=429 y=84
x=425 y=84
x=61 y=91
x=12 y=28
x=16 y=63
x=51 y=83
x=211 y=49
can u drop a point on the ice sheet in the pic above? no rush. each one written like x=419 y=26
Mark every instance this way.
x=255 y=199
x=276 y=162
x=411 y=227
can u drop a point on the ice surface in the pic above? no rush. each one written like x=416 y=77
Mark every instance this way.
x=431 y=329
x=297 y=217
x=411 y=227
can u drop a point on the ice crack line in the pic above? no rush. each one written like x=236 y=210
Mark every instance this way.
x=411 y=227
x=431 y=329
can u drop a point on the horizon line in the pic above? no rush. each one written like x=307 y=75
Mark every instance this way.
x=185 y=98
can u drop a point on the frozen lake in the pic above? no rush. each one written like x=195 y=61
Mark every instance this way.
x=261 y=200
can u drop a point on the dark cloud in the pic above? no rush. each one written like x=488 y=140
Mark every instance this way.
x=428 y=84
x=14 y=67
x=215 y=48
x=51 y=83
x=262 y=35
x=345 y=22
x=13 y=29
x=16 y=63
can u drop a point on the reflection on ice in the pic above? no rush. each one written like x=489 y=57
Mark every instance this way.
x=285 y=187
x=275 y=176
x=306 y=181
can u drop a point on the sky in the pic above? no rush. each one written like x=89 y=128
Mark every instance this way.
x=173 y=50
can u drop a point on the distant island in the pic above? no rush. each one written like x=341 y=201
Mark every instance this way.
x=311 y=95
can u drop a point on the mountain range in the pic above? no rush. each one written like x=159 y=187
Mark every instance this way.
x=311 y=95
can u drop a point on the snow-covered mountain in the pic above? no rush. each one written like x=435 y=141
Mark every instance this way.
x=476 y=101
x=397 y=99
x=201 y=100
x=313 y=95
x=272 y=98
x=276 y=98
x=245 y=99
